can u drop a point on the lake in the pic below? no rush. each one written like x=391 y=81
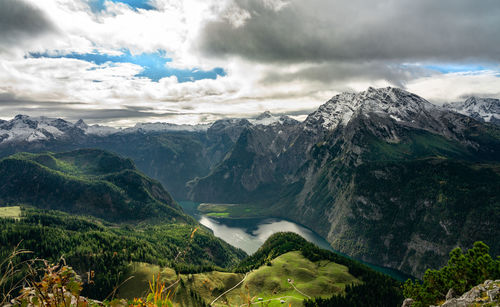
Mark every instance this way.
x=250 y=233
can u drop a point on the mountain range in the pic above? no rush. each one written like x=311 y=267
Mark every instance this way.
x=86 y=181
x=383 y=175
x=23 y=128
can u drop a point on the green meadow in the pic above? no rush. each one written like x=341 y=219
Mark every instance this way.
x=270 y=283
x=10 y=212
x=234 y=210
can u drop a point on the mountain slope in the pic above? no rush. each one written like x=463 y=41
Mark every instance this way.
x=310 y=172
x=91 y=182
x=250 y=165
x=265 y=158
x=384 y=175
x=481 y=109
x=23 y=128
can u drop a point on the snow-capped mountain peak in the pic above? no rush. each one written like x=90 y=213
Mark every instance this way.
x=24 y=128
x=29 y=129
x=160 y=126
x=481 y=109
x=266 y=114
x=81 y=124
x=396 y=103
x=267 y=118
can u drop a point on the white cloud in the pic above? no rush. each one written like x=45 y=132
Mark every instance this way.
x=456 y=86
x=77 y=87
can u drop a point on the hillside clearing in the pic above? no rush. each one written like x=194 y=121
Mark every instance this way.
x=269 y=282
x=10 y=212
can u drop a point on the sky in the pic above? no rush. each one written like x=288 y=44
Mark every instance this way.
x=119 y=62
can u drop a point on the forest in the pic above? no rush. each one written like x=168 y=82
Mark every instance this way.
x=93 y=245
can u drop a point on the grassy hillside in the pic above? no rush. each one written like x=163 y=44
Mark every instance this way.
x=269 y=282
x=90 y=182
x=286 y=267
x=291 y=271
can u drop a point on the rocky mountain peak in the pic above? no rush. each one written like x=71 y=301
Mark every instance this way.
x=394 y=102
x=481 y=109
x=484 y=104
x=267 y=118
x=81 y=124
x=266 y=114
x=20 y=117
x=29 y=129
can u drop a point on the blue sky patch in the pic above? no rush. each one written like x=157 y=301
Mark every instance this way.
x=453 y=68
x=154 y=64
x=98 y=5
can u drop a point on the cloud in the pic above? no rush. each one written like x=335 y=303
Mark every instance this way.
x=457 y=86
x=154 y=65
x=335 y=72
x=124 y=61
x=20 y=21
x=357 y=30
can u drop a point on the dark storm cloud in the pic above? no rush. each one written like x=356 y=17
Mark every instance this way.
x=346 y=71
x=67 y=112
x=20 y=21
x=10 y=106
x=9 y=100
x=359 y=30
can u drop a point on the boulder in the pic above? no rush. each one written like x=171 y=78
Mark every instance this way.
x=451 y=294
x=408 y=302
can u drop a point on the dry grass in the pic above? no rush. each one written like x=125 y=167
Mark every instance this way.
x=13 y=212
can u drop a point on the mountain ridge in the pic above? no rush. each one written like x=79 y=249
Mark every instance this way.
x=24 y=128
x=86 y=181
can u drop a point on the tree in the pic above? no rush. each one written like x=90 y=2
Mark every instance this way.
x=463 y=271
